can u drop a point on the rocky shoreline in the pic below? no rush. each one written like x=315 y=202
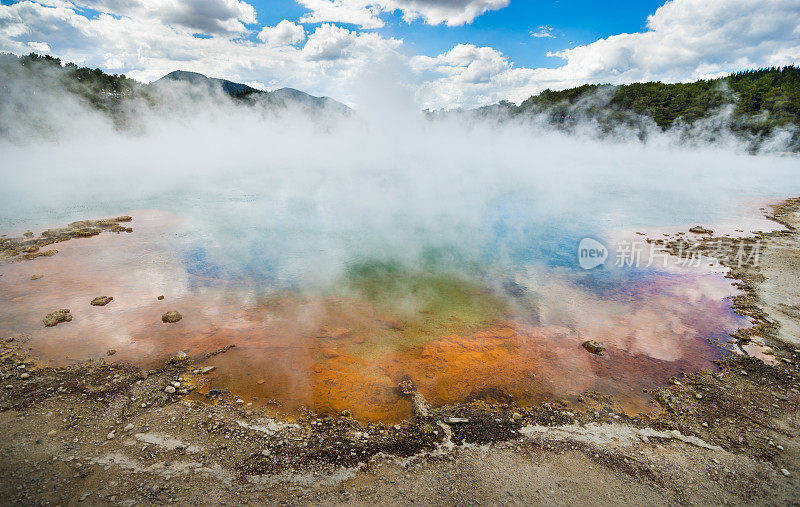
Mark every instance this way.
x=28 y=247
x=111 y=434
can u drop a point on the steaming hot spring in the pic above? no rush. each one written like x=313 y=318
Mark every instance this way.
x=319 y=266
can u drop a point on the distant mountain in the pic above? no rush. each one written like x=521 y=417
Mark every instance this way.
x=282 y=97
x=288 y=95
x=229 y=87
x=114 y=93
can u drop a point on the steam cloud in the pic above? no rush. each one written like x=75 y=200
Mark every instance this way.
x=287 y=195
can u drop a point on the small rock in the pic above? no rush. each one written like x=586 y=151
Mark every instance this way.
x=101 y=301
x=176 y=384
x=785 y=472
x=208 y=369
x=36 y=277
x=110 y=352
x=110 y=436
x=220 y=351
x=128 y=427
x=261 y=381
x=169 y=390
x=704 y=424
x=345 y=413
x=407 y=387
x=594 y=346
x=54 y=318
x=51 y=433
x=516 y=416
x=171 y=317
x=699 y=396
x=24 y=375
x=455 y=420
x=240 y=401
x=160 y=298
x=697 y=229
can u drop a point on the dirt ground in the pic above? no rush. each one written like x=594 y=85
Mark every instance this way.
x=102 y=433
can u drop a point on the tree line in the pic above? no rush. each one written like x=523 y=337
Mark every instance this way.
x=754 y=102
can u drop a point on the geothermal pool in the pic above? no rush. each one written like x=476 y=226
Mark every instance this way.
x=462 y=331
x=341 y=258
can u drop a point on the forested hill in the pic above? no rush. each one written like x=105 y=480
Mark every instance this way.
x=755 y=102
x=775 y=91
x=108 y=91
x=102 y=90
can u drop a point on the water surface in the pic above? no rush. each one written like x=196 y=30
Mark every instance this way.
x=508 y=332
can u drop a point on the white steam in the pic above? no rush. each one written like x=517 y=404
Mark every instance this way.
x=296 y=196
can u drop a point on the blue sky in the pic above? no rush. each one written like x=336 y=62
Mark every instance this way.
x=444 y=53
x=507 y=29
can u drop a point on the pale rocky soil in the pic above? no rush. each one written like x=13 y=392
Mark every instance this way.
x=110 y=434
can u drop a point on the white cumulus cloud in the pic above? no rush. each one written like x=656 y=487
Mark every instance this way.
x=363 y=13
x=366 y=13
x=206 y=16
x=285 y=33
x=692 y=39
x=41 y=47
x=331 y=43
